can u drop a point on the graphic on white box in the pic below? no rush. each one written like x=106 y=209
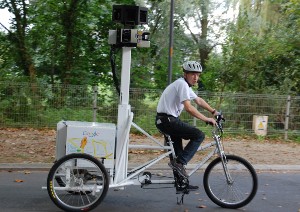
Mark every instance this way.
x=96 y=141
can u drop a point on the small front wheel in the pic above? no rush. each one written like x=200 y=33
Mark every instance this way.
x=77 y=182
x=232 y=184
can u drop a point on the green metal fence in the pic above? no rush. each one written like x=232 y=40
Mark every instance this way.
x=43 y=105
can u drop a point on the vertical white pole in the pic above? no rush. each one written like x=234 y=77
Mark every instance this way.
x=124 y=117
x=287 y=115
x=125 y=75
x=95 y=108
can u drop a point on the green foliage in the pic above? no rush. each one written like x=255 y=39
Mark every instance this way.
x=68 y=40
x=145 y=122
x=255 y=61
x=67 y=43
x=49 y=104
x=75 y=48
x=6 y=61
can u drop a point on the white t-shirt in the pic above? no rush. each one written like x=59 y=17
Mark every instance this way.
x=171 y=100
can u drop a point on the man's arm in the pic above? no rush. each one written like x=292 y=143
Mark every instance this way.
x=202 y=103
x=194 y=112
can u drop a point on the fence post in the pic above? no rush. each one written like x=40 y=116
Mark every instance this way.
x=287 y=115
x=95 y=108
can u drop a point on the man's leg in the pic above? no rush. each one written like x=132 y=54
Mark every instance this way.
x=177 y=144
x=178 y=129
x=187 y=132
x=180 y=187
x=192 y=147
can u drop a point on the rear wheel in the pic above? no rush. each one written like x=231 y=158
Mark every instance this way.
x=77 y=182
x=234 y=191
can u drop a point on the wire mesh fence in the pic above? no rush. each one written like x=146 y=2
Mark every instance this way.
x=43 y=105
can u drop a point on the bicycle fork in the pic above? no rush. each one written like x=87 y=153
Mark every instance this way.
x=222 y=155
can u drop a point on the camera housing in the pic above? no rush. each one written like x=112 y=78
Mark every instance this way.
x=129 y=38
x=129 y=16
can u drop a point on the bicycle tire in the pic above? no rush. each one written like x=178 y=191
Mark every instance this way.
x=237 y=193
x=85 y=182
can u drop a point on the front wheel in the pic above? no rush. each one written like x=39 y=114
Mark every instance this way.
x=77 y=182
x=232 y=184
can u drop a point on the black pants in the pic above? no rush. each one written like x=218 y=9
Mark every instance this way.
x=179 y=130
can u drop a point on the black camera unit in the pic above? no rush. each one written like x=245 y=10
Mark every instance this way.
x=129 y=16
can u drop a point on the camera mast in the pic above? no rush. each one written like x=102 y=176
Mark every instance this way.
x=126 y=38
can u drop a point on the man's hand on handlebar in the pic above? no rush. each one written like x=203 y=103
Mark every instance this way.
x=218 y=116
x=211 y=121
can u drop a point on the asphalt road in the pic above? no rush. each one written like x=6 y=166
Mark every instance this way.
x=277 y=191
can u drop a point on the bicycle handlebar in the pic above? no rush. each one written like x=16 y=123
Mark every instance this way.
x=219 y=120
x=219 y=117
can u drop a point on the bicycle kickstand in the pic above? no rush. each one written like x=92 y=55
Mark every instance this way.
x=181 y=200
x=182 y=196
x=182 y=184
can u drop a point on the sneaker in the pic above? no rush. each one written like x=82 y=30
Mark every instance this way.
x=178 y=167
x=189 y=188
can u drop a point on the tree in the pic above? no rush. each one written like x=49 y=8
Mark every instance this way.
x=5 y=57
x=76 y=50
x=259 y=56
x=17 y=36
x=152 y=64
x=62 y=41
x=204 y=25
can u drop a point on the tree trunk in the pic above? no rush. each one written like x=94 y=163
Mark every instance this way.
x=203 y=48
x=18 y=38
x=69 y=23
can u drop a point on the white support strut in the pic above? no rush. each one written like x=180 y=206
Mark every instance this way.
x=125 y=75
x=124 y=118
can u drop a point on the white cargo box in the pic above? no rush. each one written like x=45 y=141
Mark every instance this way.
x=96 y=139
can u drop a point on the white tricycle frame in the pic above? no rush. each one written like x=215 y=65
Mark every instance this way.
x=79 y=181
